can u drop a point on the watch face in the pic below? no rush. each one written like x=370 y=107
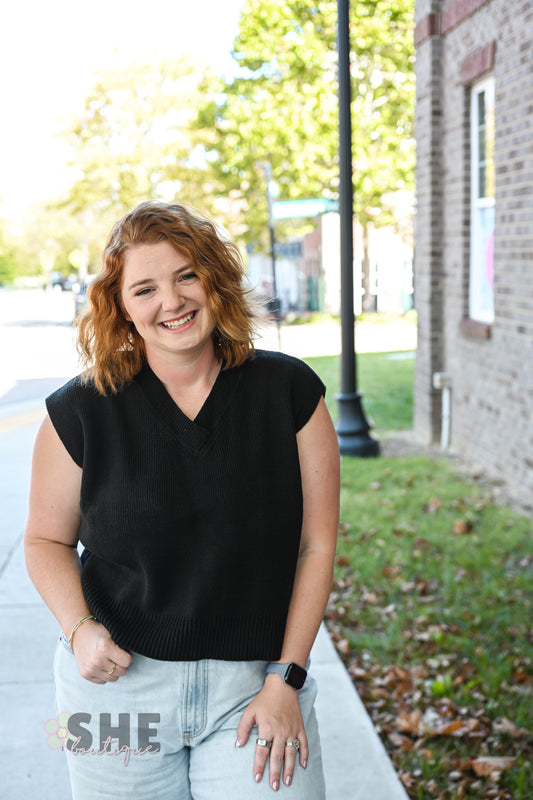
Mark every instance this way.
x=295 y=676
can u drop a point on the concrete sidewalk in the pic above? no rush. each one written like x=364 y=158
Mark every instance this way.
x=356 y=764
x=324 y=338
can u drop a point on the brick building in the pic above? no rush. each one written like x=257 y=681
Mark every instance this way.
x=474 y=231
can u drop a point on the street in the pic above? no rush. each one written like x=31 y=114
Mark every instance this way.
x=36 y=356
x=36 y=344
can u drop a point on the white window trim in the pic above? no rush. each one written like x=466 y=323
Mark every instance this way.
x=481 y=294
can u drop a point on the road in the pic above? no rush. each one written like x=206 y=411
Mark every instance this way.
x=36 y=345
x=36 y=355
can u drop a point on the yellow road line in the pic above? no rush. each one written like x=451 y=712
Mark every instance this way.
x=9 y=424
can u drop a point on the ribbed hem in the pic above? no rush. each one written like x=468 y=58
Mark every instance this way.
x=168 y=638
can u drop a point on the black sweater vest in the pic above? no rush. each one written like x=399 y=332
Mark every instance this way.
x=191 y=529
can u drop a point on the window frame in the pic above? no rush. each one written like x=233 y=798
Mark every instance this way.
x=482 y=208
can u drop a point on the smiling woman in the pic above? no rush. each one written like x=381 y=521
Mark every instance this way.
x=166 y=302
x=202 y=478
x=161 y=262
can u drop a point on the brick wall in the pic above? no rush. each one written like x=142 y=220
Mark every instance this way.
x=491 y=368
x=428 y=226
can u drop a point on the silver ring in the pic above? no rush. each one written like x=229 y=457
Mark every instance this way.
x=293 y=743
x=264 y=742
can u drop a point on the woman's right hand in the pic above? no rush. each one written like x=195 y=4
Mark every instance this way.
x=99 y=659
x=50 y=543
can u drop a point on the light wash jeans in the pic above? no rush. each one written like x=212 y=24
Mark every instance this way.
x=187 y=711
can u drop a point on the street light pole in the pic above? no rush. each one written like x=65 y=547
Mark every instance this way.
x=352 y=427
x=275 y=301
x=272 y=234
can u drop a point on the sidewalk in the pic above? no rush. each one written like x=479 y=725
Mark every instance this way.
x=356 y=764
x=324 y=338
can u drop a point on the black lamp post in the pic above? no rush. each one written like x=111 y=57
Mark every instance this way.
x=352 y=427
x=275 y=301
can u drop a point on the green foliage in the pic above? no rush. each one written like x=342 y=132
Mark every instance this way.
x=385 y=381
x=383 y=102
x=431 y=611
x=174 y=130
x=282 y=107
x=133 y=140
x=9 y=259
x=171 y=129
x=51 y=234
x=8 y=269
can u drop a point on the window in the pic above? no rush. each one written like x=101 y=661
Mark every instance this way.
x=481 y=297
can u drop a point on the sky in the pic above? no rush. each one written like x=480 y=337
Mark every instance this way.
x=50 y=51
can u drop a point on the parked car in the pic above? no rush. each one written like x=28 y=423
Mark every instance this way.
x=80 y=300
x=67 y=283
x=80 y=295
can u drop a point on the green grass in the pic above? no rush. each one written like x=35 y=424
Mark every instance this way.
x=431 y=608
x=385 y=381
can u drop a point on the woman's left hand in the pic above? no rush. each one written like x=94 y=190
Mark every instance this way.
x=275 y=710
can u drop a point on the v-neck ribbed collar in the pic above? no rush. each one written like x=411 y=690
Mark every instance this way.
x=195 y=433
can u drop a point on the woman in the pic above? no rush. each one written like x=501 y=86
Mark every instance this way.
x=202 y=479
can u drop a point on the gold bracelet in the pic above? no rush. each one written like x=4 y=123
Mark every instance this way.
x=76 y=626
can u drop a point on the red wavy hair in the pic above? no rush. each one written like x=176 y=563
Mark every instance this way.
x=110 y=347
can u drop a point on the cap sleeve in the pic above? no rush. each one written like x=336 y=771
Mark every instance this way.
x=306 y=390
x=64 y=410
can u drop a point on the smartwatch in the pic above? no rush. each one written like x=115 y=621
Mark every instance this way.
x=292 y=673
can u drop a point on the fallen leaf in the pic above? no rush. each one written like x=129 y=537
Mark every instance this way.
x=343 y=647
x=462 y=526
x=408 y=779
x=433 y=506
x=357 y=672
x=472 y=725
x=392 y=571
x=410 y=723
x=434 y=725
x=398 y=740
x=420 y=542
x=452 y=727
x=381 y=693
x=460 y=789
x=487 y=765
x=403 y=688
x=402 y=674
x=504 y=725
x=519 y=676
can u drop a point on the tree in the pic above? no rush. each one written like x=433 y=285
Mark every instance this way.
x=282 y=106
x=19 y=254
x=8 y=261
x=46 y=241
x=132 y=142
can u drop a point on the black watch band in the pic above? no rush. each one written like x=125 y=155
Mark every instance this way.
x=292 y=673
